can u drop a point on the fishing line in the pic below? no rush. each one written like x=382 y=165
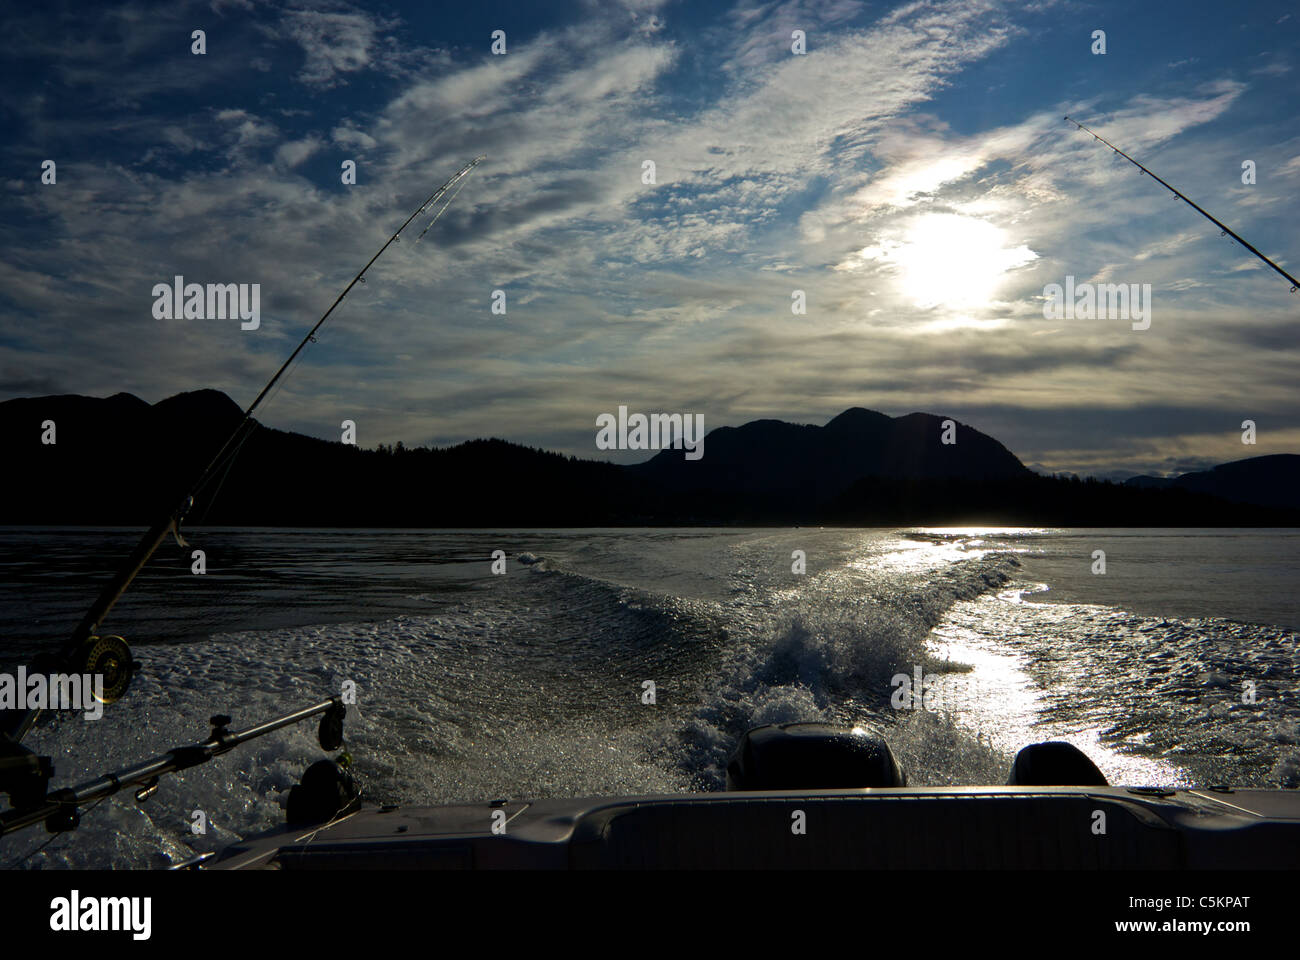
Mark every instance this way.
x=459 y=187
x=276 y=383
x=341 y=814
x=458 y=177
x=230 y=464
x=288 y=371
x=1226 y=230
x=250 y=427
x=52 y=837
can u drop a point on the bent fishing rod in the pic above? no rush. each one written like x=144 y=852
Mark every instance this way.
x=86 y=653
x=1218 y=223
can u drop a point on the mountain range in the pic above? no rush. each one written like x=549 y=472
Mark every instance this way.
x=120 y=460
x=1269 y=481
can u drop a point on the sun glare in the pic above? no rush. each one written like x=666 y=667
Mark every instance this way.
x=953 y=261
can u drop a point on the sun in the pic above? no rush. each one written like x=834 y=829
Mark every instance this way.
x=952 y=261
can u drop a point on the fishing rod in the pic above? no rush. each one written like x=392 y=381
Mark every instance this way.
x=109 y=656
x=1218 y=223
x=60 y=810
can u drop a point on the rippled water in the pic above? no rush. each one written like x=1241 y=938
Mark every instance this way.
x=475 y=685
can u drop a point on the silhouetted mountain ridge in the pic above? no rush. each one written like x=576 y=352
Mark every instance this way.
x=1268 y=481
x=773 y=458
x=120 y=460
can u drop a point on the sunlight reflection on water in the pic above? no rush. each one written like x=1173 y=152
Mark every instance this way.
x=998 y=700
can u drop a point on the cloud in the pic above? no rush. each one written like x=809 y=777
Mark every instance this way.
x=348 y=136
x=244 y=135
x=294 y=152
x=1277 y=68
x=335 y=42
x=772 y=171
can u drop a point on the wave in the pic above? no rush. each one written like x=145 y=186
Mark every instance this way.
x=833 y=660
x=1215 y=700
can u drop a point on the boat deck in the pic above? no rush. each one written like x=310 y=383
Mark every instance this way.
x=1069 y=828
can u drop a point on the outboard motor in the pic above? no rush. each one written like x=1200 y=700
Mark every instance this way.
x=1054 y=764
x=812 y=756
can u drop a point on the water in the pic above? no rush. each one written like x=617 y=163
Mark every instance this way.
x=473 y=685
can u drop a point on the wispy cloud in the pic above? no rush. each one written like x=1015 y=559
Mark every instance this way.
x=920 y=218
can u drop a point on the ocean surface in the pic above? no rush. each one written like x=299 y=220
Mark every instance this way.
x=1177 y=666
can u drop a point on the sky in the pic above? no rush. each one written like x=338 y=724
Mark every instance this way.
x=910 y=172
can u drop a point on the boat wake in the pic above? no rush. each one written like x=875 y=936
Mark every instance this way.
x=613 y=667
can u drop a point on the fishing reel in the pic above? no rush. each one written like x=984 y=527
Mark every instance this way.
x=24 y=775
x=110 y=658
x=327 y=789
